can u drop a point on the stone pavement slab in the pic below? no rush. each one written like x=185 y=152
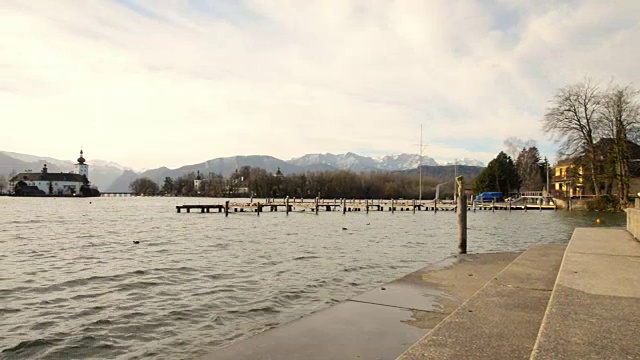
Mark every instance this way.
x=594 y=311
x=501 y=321
x=379 y=324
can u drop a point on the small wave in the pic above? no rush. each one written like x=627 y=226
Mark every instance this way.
x=137 y=285
x=306 y=257
x=27 y=347
x=9 y=310
x=214 y=291
x=262 y=309
x=84 y=281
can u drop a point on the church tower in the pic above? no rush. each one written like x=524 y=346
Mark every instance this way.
x=197 y=182
x=81 y=167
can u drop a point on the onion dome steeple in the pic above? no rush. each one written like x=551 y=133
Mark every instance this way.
x=81 y=159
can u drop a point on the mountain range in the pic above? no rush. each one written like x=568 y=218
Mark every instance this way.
x=112 y=177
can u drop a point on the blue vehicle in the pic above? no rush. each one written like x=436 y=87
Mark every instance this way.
x=489 y=196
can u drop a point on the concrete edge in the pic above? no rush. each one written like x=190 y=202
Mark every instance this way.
x=440 y=324
x=551 y=299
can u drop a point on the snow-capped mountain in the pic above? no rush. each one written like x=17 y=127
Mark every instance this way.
x=403 y=162
x=348 y=161
x=355 y=162
x=466 y=161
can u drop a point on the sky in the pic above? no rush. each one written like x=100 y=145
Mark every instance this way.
x=148 y=83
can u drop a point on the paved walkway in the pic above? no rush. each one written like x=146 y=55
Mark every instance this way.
x=594 y=312
x=501 y=321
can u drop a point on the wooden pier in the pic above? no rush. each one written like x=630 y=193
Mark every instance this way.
x=354 y=205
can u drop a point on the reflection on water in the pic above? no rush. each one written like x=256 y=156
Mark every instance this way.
x=74 y=285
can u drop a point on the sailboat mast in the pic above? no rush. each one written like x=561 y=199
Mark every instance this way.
x=420 y=164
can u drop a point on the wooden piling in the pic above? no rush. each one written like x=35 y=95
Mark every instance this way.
x=344 y=206
x=393 y=208
x=366 y=203
x=462 y=217
x=226 y=208
x=414 y=205
x=435 y=206
x=317 y=205
x=493 y=205
x=258 y=208
x=286 y=205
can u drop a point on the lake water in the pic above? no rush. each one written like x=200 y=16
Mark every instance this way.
x=73 y=284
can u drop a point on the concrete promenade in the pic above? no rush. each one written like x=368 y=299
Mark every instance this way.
x=580 y=301
x=594 y=312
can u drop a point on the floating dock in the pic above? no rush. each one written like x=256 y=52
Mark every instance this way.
x=353 y=205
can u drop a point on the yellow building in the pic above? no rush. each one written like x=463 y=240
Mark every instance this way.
x=567 y=179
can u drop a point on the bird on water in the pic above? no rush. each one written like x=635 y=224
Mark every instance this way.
x=136 y=242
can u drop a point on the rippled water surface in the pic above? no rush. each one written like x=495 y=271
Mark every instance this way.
x=74 y=285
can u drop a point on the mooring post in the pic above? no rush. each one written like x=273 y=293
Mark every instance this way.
x=509 y=206
x=366 y=203
x=462 y=217
x=226 y=208
x=435 y=206
x=258 y=208
x=286 y=205
x=393 y=208
x=178 y=208
x=474 y=204
x=414 y=205
x=493 y=205
x=540 y=204
x=344 y=206
x=317 y=200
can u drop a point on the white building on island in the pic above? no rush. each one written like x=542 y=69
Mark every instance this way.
x=45 y=183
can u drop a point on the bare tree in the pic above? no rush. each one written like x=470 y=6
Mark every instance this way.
x=3 y=183
x=529 y=169
x=572 y=121
x=513 y=145
x=620 y=119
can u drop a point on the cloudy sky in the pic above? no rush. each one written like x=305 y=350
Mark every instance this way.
x=151 y=83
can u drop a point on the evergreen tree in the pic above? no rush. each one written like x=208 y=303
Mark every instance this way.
x=499 y=175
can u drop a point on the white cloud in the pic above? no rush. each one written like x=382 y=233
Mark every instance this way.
x=164 y=83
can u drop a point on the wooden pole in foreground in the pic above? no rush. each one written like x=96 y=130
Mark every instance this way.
x=226 y=208
x=462 y=216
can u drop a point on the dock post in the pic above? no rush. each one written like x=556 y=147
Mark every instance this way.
x=414 y=205
x=393 y=208
x=493 y=205
x=462 y=217
x=259 y=208
x=317 y=200
x=286 y=205
x=509 y=206
x=540 y=204
x=435 y=206
x=178 y=208
x=366 y=203
x=343 y=204
x=226 y=208
x=475 y=204
x=188 y=210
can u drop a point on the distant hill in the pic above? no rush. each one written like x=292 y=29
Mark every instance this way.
x=110 y=176
x=224 y=166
